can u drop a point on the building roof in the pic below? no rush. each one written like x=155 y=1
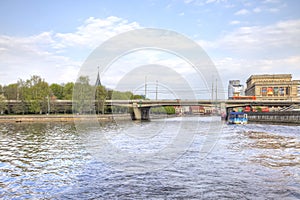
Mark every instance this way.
x=269 y=76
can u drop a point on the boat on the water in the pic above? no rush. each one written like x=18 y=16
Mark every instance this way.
x=237 y=118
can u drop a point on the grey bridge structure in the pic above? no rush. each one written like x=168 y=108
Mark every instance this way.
x=141 y=108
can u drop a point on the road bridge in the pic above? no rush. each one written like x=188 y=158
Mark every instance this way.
x=178 y=102
x=140 y=108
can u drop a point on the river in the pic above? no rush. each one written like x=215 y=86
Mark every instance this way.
x=174 y=158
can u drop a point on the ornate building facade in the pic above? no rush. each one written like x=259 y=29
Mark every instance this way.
x=273 y=87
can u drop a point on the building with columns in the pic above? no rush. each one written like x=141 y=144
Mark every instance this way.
x=273 y=87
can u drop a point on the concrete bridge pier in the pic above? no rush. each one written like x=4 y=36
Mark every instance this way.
x=223 y=108
x=140 y=113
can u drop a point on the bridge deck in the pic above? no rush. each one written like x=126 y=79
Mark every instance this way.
x=186 y=102
x=228 y=103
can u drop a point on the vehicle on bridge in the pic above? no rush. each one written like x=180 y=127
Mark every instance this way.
x=244 y=97
x=237 y=118
x=257 y=109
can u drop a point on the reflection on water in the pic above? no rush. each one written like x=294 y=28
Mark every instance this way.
x=53 y=161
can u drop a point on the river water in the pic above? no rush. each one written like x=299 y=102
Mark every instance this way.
x=59 y=161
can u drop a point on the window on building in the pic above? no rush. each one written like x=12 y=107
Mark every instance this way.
x=287 y=90
x=270 y=91
x=281 y=91
x=275 y=91
x=264 y=91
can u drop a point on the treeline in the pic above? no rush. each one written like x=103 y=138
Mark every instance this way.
x=36 y=96
x=36 y=88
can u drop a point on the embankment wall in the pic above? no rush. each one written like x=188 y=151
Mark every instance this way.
x=292 y=117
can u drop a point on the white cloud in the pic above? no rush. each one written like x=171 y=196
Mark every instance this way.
x=41 y=54
x=271 y=1
x=215 y=1
x=280 y=38
x=242 y=12
x=225 y=3
x=232 y=68
x=273 y=10
x=23 y=57
x=244 y=51
x=169 y=6
x=188 y=1
x=156 y=65
x=267 y=9
x=257 y=10
x=234 y=22
x=94 y=31
x=257 y=49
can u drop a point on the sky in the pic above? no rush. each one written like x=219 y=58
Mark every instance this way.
x=53 y=38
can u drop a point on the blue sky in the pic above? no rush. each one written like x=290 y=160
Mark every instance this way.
x=53 y=38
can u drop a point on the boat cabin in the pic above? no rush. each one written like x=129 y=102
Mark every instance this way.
x=237 y=118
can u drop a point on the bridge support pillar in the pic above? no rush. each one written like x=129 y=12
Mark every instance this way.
x=223 y=108
x=223 y=111
x=140 y=113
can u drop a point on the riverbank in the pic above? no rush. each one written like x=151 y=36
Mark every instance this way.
x=288 y=117
x=71 y=117
x=60 y=118
x=282 y=118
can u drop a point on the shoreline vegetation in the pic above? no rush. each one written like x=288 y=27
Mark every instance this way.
x=36 y=118
x=36 y=96
x=61 y=118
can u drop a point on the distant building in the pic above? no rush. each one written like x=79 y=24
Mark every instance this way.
x=235 y=88
x=197 y=110
x=182 y=109
x=273 y=87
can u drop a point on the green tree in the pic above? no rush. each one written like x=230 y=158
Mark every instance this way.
x=136 y=96
x=117 y=95
x=11 y=92
x=158 y=110
x=1 y=90
x=83 y=100
x=170 y=110
x=68 y=91
x=35 y=91
x=57 y=90
x=101 y=95
x=3 y=104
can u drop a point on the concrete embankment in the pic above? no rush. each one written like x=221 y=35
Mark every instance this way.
x=291 y=117
x=60 y=118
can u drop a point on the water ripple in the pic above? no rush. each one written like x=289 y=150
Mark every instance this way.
x=51 y=161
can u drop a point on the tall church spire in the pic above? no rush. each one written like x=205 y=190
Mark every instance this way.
x=98 y=82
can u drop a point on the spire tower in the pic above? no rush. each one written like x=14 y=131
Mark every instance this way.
x=98 y=82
